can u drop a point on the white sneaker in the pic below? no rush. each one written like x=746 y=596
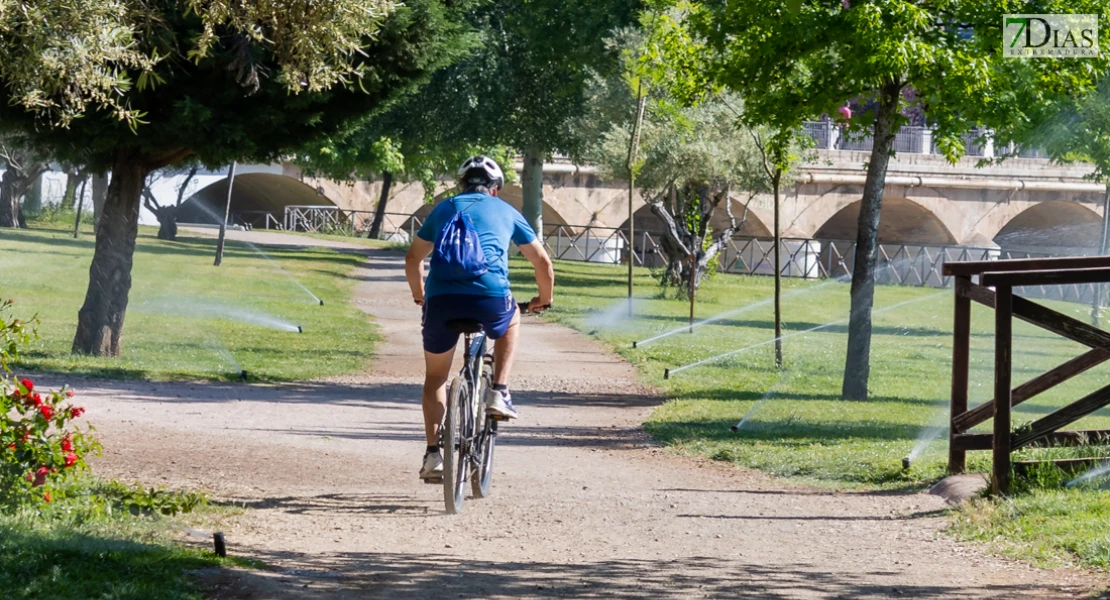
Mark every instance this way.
x=433 y=466
x=500 y=404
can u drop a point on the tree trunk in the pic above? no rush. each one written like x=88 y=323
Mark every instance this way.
x=1103 y=242
x=227 y=214
x=100 y=320
x=531 y=180
x=857 y=365
x=379 y=210
x=776 y=182
x=70 y=195
x=99 y=196
x=167 y=223
x=9 y=201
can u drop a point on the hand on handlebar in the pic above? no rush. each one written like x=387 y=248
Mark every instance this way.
x=535 y=306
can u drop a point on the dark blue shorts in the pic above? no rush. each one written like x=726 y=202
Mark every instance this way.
x=495 y=315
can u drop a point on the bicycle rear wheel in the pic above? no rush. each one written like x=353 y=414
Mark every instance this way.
x=456 y=463
x=483 y=471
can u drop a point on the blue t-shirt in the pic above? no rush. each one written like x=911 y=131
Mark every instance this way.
x=497 y=223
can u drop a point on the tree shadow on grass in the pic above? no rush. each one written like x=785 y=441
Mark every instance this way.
x=70 y=564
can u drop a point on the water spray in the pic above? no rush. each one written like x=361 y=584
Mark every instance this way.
x=677 y=370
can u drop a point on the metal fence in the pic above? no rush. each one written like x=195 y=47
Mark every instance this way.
x=829 y=135
x=898 y=264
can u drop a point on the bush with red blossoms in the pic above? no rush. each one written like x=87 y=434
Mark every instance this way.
x=39 y=443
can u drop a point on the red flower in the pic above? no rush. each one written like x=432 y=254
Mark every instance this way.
x=69 y=393
x=42 y=471
x=30 y=477
x=36 y=399
x=46 y=497
x=47 y=411
x=67 y=444
x=11 y=446
x=71 y=459
x=16 y=394
x=76 y=411
x=28 y=384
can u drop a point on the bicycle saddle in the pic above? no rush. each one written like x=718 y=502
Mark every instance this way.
x=463 y=326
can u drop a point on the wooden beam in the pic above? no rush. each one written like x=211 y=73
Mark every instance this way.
x=961 y=355
x=1046 y=277
x=1060 y=324
x=977 y=267
x=1037 y=385
x=1068 y=465
x=973 y=441
x=1068 y=414
x=974 y=292
x=1088 y=437
x=1003 y=348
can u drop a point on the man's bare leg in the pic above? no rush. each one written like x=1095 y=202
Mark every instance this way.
x=434 y=399
x=504 y=352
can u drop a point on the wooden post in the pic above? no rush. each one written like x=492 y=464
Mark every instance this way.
x=1003 y=324
x=961 y=354
x=227 y=213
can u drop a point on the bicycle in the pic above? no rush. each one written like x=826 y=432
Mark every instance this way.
x=468 y=434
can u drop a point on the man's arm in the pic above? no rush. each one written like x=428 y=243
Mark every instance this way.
x=545 y=272
x=414 y=267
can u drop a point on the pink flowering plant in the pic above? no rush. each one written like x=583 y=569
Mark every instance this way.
x=39 y=443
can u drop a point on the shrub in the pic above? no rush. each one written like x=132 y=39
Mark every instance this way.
x=39 y=445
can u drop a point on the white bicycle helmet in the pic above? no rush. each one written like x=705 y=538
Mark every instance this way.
x=481 y=170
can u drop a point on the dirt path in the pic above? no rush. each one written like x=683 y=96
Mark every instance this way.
x=584 y=505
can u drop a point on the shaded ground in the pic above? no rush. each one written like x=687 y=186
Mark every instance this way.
x=584 y=504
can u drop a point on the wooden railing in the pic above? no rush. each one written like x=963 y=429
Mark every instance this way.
x=1004 y=276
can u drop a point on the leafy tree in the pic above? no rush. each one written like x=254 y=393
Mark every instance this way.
x=157 y=81
x=23 y=166
x=798 y=59
x=695 y=161
x=525 y=83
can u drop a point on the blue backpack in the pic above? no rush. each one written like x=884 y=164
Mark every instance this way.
x=458 y=254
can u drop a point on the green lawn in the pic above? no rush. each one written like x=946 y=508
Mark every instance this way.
x=84 y=546
x=187 y=319
x=799 y=427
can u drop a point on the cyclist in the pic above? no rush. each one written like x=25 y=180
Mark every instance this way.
x=486 y=299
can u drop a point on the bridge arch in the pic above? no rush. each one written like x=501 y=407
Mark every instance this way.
x=1054 y=226
x=252 y=195
x=754 y=226
x=551 y=217
x=901 y=221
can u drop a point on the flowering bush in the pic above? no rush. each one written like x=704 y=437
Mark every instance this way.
x=38 y=443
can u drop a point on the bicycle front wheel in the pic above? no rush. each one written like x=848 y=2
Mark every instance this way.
x=456 y=463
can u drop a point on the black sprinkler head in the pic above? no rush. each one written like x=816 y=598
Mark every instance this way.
x=906 y=464
x=300 y=329
x=735 y=428
x=321 y=303
x=243 y=375
x=633 y=344
x=666 y=373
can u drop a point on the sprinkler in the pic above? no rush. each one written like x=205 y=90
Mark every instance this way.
x=243 y=375
x=321 y=303
x=592 y=332
x=666 y=373
x=735 y=428
x=300 y=329
x=906 y=464
x=633 y=344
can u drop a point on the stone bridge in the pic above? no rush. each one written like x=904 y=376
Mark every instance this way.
x=1022 y=203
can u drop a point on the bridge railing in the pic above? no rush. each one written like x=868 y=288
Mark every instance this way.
x=829 y=135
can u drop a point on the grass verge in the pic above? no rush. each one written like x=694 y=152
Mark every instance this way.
x=189 y=320
x=794 y=423
x=86 y=544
